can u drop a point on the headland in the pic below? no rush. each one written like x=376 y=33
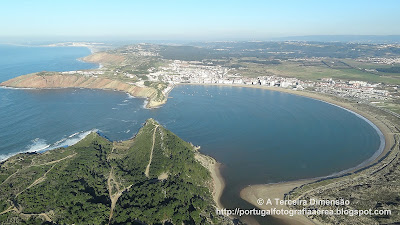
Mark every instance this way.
x=151 y=178
x=46 y=80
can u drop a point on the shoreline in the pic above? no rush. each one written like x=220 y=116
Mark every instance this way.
x=68 y=141
x=207 y=161
x=251 y=191
x=218 y=183
x=279 y=190
x=378 y=125
x=149 y=103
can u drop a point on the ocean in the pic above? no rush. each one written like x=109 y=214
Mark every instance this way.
x=259 y=136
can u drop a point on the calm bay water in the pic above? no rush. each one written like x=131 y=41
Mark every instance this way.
x=260 y=136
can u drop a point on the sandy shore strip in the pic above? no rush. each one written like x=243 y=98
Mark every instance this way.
x=277 y=190
x=273 y=191
x=218 y=183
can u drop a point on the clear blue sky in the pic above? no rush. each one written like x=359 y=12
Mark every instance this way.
x=197 y=19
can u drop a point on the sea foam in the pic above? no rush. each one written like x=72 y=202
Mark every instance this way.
x=40 y=145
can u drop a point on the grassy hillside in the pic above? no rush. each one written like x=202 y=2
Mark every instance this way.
x=152 y=179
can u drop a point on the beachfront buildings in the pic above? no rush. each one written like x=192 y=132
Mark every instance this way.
x=198 y=73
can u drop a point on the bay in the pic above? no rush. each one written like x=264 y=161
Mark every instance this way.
x=259 y=136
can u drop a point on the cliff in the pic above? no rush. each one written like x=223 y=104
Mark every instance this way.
x=58 y=80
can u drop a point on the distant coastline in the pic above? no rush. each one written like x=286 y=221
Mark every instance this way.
x=218 y=180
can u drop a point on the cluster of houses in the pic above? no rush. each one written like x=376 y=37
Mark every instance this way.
x=180 y=72
x=184 y=72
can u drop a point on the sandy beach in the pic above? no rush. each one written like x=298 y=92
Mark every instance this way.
x=218 y=183
x=272 y=191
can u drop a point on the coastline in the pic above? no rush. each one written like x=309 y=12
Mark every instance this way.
x=59 y=81
x=148 y=102
x=252 y=192
x=388 y=142
x=279 y=190
x=218 y=184
x=272 y=191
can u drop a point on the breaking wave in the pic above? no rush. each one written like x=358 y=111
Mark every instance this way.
x=41 y=145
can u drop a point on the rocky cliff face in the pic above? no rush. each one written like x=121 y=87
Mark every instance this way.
x=76 y=81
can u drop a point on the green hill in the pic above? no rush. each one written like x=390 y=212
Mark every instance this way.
x=153 y=178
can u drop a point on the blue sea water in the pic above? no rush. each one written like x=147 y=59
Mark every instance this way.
x=259 y=136
x=18 y=60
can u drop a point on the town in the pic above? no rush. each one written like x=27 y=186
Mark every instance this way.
x=180 y=72
x=194 y=72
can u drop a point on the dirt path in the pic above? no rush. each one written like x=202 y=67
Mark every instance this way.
x=9 y=177
x=43 y=164
x=42 y=178
x=113 y=197
x=37 y=181
x=14 y=208
x=11 y=208
x=151 y=152
x=55 y=161
x=111 y=181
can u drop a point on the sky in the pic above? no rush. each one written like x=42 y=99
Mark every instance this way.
x=197 y=20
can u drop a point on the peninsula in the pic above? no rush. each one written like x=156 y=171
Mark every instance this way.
x=156 y=177
x=151 y=71
x=49 y=80
x=107 y=77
